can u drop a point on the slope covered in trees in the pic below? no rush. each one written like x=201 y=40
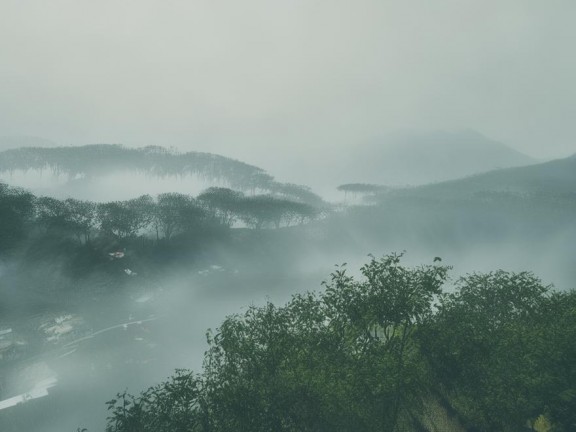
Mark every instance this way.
x=23 y=215
x=99 y=159
x=102 y=159
x=523 y=216
x=393 y=351
x=16 y=209
x=340 y=371
x=556 y=177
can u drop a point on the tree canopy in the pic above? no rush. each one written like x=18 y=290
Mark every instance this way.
x=392 y=350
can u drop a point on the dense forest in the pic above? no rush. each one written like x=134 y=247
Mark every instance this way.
x=101 y=159
x=391 y=347
x=392 y=351
x=289 y=216
x=168 y=214
x=74 y=240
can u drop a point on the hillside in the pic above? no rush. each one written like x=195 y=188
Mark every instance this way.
x=553 y=177
x=161 y=268
x=101 y=159
x=519 y=217
x=419 y=159
x=89 y=170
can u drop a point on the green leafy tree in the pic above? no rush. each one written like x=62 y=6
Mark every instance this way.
x=123 y=219
x=176 y=213
x=485 y=349
x=261 y=211
x=54 y=215
x=16 y=212
x=378 y=317
x=82 y=217
x=172 y=406
x=223 y=203
x=340 y=361
x=374 y=353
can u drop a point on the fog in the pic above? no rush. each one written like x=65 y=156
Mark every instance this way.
x=130 y=330
x=110 y=187
x=269 y=81
x=130 y=337
x=384 y=94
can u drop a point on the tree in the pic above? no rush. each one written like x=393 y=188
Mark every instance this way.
x=125 y=219
x=338 y=361
x=16 y=211
x=299 y=193
x=260 y=211
x=361 y=188
x=378 y=317
x=176 y=213
x=371 y=353
x=54 y=215
x=82 y=217
x=172 y=406
x=483 y=347
x=223 y=203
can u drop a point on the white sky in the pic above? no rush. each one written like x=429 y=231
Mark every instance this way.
x=257 y=79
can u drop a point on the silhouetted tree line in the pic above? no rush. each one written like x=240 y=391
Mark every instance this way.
x=165 y=216
x=391 y=351
x=16 y=209
x=361 y=188
x=256 y=211
x=99 y=159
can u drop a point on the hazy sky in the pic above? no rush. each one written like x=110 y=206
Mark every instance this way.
x=256 y=79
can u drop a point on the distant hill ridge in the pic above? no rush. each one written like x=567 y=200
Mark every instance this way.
x=423 y=158
x=556 y=177
x=100 y=159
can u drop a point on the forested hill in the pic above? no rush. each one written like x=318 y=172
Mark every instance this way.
x=101 y=159
x=557 y=177
x=525 y=213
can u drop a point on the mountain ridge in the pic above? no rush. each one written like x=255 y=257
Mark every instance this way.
x=424 y=158
x=557 y=176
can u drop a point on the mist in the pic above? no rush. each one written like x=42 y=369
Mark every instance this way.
x=164 y=165
x=268 y=81
x=137 y=311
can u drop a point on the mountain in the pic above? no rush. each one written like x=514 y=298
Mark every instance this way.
x=557 y=177
x=419 y=159
x=521 y=218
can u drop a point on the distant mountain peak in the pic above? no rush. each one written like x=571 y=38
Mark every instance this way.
x=419 y=158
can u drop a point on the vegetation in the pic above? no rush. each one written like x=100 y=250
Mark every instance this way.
x=361 y=188
x=101 y=159
x=396 y=349
x=392 y=351
x=554 y=178
x=16 y=209
x=98 y=159
x=55 y=251
x=24 y=215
